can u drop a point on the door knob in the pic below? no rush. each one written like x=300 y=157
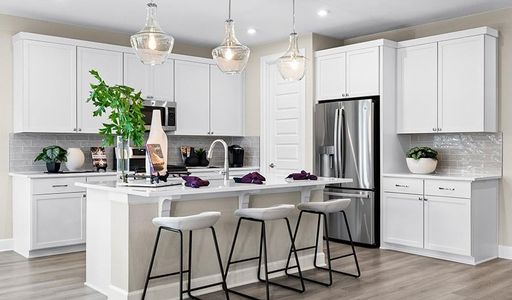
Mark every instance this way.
x=272 y=165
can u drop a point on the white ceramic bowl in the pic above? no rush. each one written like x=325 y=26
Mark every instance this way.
x=422 y=165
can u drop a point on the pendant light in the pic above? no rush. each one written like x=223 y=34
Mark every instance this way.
x=152 y=45
x=231 y=56
x=292 y=65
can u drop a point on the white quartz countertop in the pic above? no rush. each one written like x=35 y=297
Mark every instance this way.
x=216 y=186
x=444 y=176
x=193 y=170
x=41 y=174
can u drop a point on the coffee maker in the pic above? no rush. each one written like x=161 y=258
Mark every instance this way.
x=236 y=156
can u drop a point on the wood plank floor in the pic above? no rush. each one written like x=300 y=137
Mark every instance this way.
x=386 y=275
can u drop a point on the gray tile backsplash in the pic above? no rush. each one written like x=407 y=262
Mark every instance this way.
x=464 y=153
x=24 y=147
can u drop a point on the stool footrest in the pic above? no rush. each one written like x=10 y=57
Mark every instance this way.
x=283 y=286
x=342 y=256
x=203 y=287
x=244 y=260
x=339 y=272
x=167 y=275
x=242 y=294
x=281 y=270
x=306 y=248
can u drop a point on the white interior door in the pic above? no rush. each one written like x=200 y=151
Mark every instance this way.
x=283 y=122
x=110 y=66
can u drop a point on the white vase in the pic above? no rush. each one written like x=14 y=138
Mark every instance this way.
x=76 y=159
x=157 y=135
x=422 y=165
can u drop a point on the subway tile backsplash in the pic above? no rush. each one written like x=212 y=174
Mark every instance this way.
x=464 y=153
x=24 y=147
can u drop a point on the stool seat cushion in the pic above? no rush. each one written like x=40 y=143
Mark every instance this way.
x=268 y=213
x=193 y=222
x=330 y=206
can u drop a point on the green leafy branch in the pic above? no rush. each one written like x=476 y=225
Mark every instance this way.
x=124 y=106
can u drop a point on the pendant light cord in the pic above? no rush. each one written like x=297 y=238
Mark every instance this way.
x=229 y=10
x=293 y=1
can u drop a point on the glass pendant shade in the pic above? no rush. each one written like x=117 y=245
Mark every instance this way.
x=231 y=56
x=292 y=65
x=152 y=45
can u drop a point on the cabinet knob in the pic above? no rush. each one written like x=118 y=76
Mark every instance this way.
x=272 y=165
x=434 y=129
x=439 y=129
x=419 y=198
x=74 y=129
x=79 y=129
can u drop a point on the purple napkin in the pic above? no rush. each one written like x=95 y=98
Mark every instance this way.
x=195 y=182
x=253 y=177
x=303 y=175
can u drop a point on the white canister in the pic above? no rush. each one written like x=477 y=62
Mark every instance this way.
x=76 y=159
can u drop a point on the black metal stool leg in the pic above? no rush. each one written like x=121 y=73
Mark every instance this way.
x=294 y=237
x=353 y=248
x=151 y=263
x=292 y=240
x=232 y=248
x=181 y=264
x=189 y=280
x=328 y=248
x=219 y=258
x=264 y=237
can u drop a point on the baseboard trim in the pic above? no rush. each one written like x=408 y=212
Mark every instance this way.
x=236 y=278
x=505 y=252
x=6 y=245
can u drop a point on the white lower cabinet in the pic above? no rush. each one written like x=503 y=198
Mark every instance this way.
x=448 y=224
x=403 y=219
x=58 y=220
x=49 y=214
x=448 y=219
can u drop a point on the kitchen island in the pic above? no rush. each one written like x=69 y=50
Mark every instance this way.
x=120 y=234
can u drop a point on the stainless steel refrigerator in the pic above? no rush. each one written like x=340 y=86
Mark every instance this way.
x=347 y=145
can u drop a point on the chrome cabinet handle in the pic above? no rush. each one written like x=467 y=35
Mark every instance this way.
x=59 y=185
x=434 y=129
x=425 y=199
x=402 y=185
x=272 y=165
x=74 y=129
x=79 y=129
x=420 y=198
x=446 y=189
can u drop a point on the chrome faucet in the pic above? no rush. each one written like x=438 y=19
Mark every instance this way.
x=224 y=172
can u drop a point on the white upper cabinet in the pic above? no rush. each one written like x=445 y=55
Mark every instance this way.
x=45 y=87
x=465 y=85
x=109 y=64
x=192 y=94
x=155 y=82
x=363 y=72
x=226 y=103
x=330 y=76
x=451 y=79
x=417 y=89
x=343 y=73
x=136 y=74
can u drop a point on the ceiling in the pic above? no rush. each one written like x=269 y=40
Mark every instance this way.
x=200 y=22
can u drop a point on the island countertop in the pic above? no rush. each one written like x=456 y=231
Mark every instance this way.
x=216 y=186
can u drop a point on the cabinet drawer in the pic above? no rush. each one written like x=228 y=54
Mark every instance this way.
x=403 y=185
x=57 y=185
x=459 y=189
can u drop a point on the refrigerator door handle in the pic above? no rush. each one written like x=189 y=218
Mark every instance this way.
x=336 y=142
x=343 y=142
x=349 y=195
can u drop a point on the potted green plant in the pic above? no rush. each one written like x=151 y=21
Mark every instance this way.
x=124 y=108
x=53 y=156
x=422 y=160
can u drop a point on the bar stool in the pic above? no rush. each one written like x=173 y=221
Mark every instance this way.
x=261 y=215
x=178 y=225
x=322 y=209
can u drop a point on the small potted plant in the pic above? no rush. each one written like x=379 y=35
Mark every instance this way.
x=53 y=156
x=421 y=160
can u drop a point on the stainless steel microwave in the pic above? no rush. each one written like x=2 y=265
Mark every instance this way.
x=167 y=111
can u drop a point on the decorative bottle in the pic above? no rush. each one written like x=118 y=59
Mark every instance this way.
x=157 y=135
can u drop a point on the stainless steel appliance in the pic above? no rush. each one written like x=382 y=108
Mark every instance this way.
x=167 y=111
x=347 y=145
